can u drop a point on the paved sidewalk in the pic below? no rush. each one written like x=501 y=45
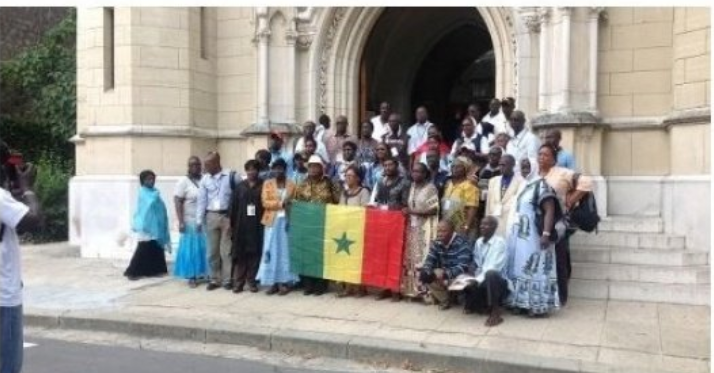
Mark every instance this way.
x=62 y=290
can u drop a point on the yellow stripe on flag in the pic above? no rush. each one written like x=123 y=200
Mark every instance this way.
x=344 y=243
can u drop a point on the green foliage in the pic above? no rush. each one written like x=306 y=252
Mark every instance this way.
x=38 y=116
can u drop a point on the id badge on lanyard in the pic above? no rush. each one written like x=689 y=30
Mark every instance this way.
x=251 y=210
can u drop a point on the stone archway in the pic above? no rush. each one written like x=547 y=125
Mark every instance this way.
x=340 y=45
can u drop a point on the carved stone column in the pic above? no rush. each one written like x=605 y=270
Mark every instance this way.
x=262 y=37
x=594 y=18
x=565 y=55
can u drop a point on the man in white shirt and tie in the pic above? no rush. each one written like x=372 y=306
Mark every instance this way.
x=380 y=123
x=523 y=143
x=419 y=131
x=491 y=286
x=214 y=198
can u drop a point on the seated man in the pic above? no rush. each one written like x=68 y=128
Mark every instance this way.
x=490 y=288
x=449 y=256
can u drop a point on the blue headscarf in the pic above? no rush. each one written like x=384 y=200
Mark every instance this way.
x=151 y=217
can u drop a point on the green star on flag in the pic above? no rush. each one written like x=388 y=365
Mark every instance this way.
x=343 y=244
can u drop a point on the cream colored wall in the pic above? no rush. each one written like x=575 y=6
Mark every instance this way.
x=655 y=64
x=692 y=58
x=692 y=90
x=162 y=85
x=636 y=153
x=237 y=58
x=635 y=62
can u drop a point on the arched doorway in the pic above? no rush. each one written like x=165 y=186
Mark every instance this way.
x=442 y=58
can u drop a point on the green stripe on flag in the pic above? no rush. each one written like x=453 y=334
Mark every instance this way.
x=306 y=236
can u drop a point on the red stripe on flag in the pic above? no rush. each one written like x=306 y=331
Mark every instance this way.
x=383 y=248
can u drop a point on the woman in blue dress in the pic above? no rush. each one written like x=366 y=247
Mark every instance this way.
x=151 y=227
x=532 y=272
x=191 y=263
x=274 y=270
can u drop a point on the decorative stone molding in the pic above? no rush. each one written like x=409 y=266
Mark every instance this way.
x=304 y=41
x=565 y=119
x=325 y=55
x=531 y=19
x=543 y=15
x=596 y=11
x=566 y=11
x=155 y=131
x=291 y=37
x=694 y=116
x=260 y=129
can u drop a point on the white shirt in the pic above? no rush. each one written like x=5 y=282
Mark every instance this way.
x=11 y=212
x=490 y=256
x=417 y=136
x=523 y=145
x=499 y=121
x=214 y=194
x=321 y=149
x=379 y=128
x=187 y=189
x=482 y=147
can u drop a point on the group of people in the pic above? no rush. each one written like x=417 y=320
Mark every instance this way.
x=484 y=215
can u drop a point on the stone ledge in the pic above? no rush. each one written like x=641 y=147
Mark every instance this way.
x=259 y=129
x=155 y=130
x=565 y=119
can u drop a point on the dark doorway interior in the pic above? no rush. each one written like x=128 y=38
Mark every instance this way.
x=441 y=58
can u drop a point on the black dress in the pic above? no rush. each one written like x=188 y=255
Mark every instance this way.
x=148 y=261
x=247 y=235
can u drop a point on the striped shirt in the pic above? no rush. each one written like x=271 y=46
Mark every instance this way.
x=454 y=258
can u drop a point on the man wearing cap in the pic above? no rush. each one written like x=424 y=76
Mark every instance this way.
x=308 y=131
x=316 y=188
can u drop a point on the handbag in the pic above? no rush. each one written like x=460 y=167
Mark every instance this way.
x=584 y=215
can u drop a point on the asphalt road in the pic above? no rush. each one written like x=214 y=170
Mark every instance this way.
x=53 y=356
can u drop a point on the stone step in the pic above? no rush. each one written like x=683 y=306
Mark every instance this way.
x=642 y=273
x=628 y=239
x=626 y=223
x=624 y=255
x=695 y=294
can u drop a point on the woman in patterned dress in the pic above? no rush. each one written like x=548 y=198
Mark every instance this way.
x=422 y=213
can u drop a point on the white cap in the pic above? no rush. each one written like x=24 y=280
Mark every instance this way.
x=315 y=159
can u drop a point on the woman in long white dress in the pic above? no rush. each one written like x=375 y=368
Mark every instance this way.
x=532 y=263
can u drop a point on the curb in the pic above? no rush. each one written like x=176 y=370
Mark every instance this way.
x=341 y=346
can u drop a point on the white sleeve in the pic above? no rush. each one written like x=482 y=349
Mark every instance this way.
x=484 y=145
x=181 y=188
x=11 y=211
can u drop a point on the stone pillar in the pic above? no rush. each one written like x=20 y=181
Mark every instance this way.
x=544 y=57
x=594 y=19
x=263 y=38
x=291 y=81
x=565 y=55
x=567 y=94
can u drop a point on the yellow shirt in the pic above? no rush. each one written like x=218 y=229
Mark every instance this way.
x=457 y=197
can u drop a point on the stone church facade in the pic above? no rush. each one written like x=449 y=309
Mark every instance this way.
x=629 y=88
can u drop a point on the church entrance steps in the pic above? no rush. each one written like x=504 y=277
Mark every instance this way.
x=625 y=255
x=692 y=294
x=639 y=273
x=623 y=223
x=629 y=239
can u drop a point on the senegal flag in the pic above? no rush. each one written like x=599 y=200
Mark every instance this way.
x=357 y=245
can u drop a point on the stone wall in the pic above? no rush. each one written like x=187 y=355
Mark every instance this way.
x=653 y=90
x=23 y=27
